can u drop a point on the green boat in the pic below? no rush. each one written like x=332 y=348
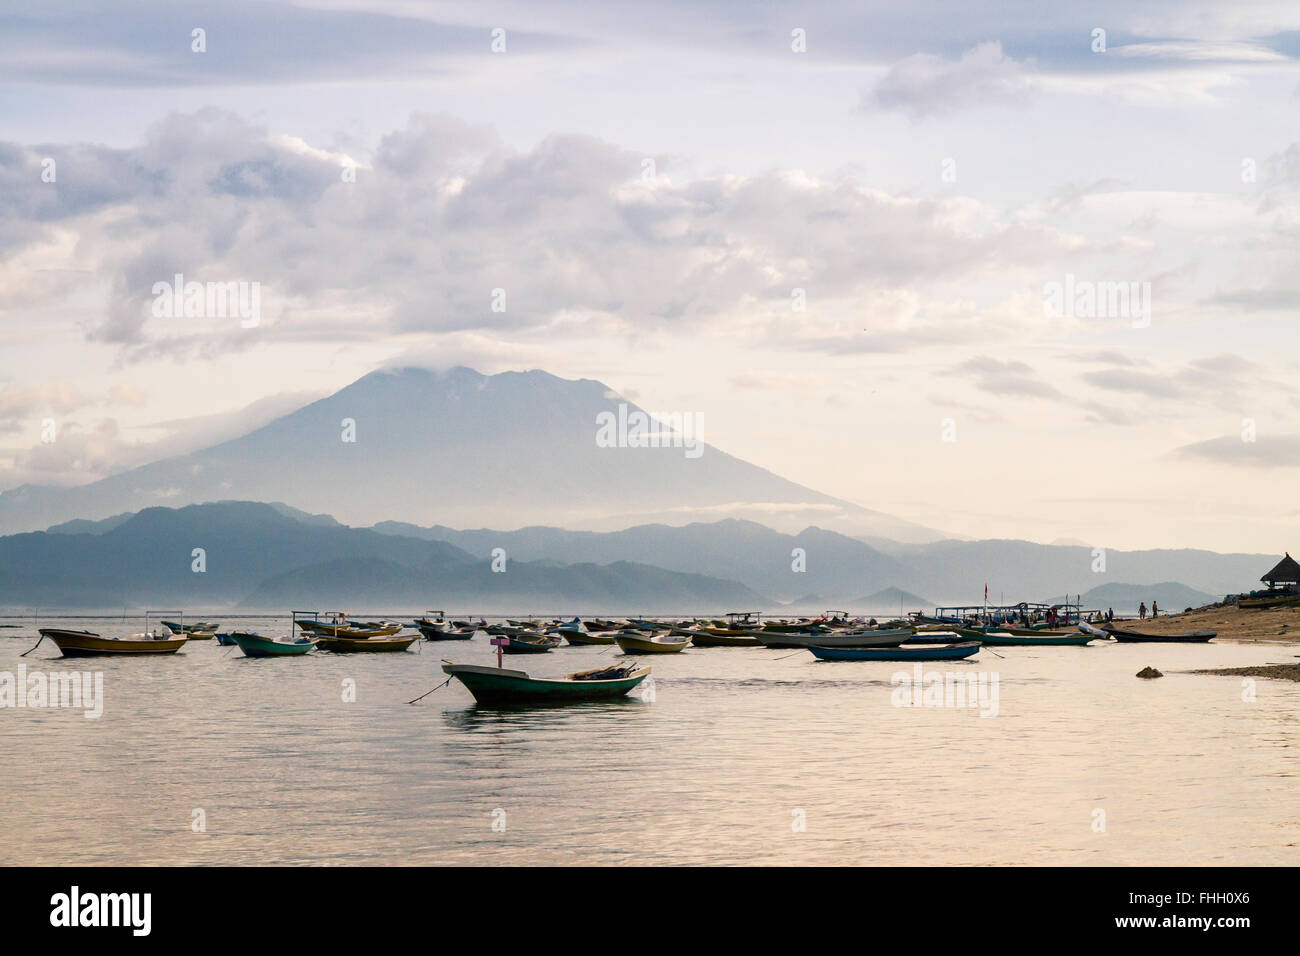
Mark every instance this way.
x=497 y=685
x=255 y=645
x=1003 y=639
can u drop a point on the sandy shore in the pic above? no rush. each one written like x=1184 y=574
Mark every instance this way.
x=1232 y=623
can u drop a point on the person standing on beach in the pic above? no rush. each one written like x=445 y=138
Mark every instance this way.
x=1142 y=611
x=1155 y=609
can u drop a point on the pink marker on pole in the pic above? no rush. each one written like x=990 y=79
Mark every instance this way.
x=500 y=642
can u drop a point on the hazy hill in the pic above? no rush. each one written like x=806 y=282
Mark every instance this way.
x=739 y=550
x=1170 y=595
x=458 y=448
x=257 y=556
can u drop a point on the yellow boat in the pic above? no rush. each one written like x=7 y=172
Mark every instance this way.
x=348 y=630
x=642 y=644
x=90 y=644
x=348 y=645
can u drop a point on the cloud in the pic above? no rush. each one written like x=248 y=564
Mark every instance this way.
x=1006 y=378
x=926 y=85
x=447 y=230
x=1266 y=451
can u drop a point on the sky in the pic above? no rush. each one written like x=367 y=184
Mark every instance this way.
x=1013 y=270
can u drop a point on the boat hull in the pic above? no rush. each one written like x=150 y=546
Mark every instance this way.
x=255 y=645
x=713 y=639
x=1134 y=637
x=1002 y=639
x=947 y=652
x=578 y=637
x=89 y=644
x=364 y=645
x=650 y=645
x=442 y=634
x=890 y=638
x=498 y=686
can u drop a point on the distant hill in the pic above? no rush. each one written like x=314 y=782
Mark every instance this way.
x=1170 y=595
x=256 y=556
x=892 y=598
x=461 y=448
x=744 y=551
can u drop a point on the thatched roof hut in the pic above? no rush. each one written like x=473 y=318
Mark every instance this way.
x=1286 y=572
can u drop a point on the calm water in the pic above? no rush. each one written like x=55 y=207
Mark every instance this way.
x=714 y=769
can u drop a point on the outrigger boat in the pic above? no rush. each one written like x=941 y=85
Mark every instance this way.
x=198 y=631
x=703 y=638
x=891 y=637
x=531 y=642
x=255 y=645
x=1133 y=637
x=496 y=685
x=90 y=644
x=944 y=652
x=634 y=643
x=585 y=637
x=342 y=627
x=1008 y=639
x=349 y=645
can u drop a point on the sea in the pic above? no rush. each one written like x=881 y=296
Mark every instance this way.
x=729 y=756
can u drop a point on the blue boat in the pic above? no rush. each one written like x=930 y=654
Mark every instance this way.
x=226 y=640
x=938 y=652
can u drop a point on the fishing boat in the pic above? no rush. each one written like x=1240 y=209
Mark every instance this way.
x=586 y=637
x=1094 y=630
x=1008 y=639
x=941 y=652
x=226 y=640
x=702 y=638
x=446 y=632
x=891 y=637
x=90 y=644
x=1134 y=637
x=350 y=645
x=198 y=631
x=531 y=642
x=596 y=624
x=947 y=636
x=350 y=630
x=634 y=643
x=255 y=645
x=496 y=685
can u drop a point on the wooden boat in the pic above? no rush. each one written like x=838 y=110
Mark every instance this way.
x=226 y=640
x=198 y=631
x=255 y=645
x=786 y=627
x=1005 y=639
x=90 y=644
x=942 y=652
x=532 y=642
x=948 y=636
x=437 y=632
x=702 y=638
x=586 y=637
x=599 y=626
x=633 y=643
x=496 y=685
x=349 y=630
x=1094 y=630
x=1133 y=637
x=350 y=645
x=879 y=638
